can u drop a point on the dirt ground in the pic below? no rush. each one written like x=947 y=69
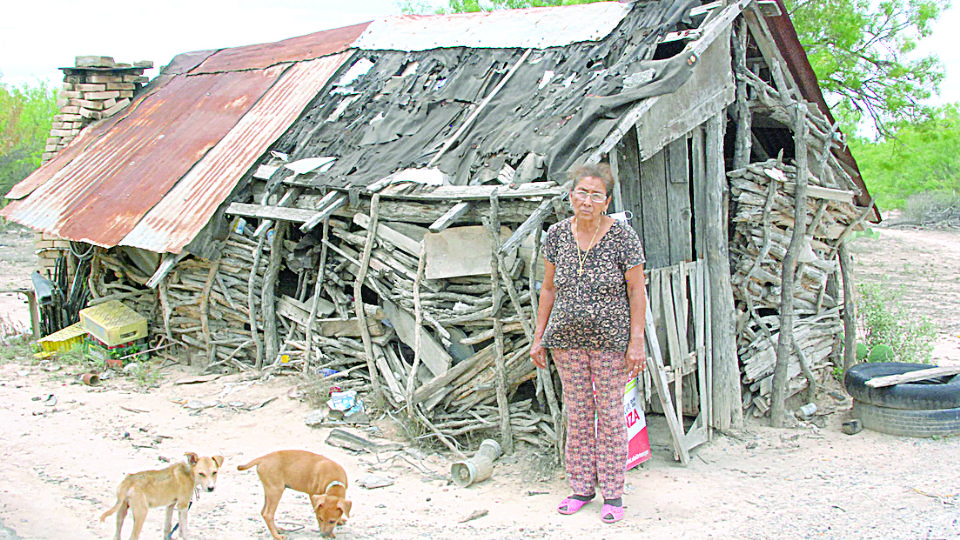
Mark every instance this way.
x=65 y=446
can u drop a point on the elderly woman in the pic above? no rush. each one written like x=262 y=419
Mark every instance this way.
x=591 y=317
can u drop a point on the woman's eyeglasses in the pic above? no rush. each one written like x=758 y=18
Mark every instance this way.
x=582 y=195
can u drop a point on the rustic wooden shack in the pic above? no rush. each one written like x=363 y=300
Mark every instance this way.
x=370 y=201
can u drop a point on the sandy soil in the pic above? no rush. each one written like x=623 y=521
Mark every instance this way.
x=61 y=457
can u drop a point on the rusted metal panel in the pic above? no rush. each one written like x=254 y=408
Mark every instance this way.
x=115 y=178
x=295 y=49
x=532 y=28
x=175 y=220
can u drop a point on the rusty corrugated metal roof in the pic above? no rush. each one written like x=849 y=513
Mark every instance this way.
x=152 y=176
x=296 y=49
x=101 y=194
x=215 y=176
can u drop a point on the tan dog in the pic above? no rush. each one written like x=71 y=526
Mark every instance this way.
x=170 y=487
x=321 y=478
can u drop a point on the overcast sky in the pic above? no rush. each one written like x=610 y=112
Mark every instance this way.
x=39 y=36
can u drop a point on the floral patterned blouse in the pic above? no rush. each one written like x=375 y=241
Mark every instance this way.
x=591 y=311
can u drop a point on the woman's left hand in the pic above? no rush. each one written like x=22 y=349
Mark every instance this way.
x=636 y=359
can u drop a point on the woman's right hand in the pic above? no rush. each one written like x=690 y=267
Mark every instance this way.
x=538 y=355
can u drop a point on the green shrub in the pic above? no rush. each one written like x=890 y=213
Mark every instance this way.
x=885 y=325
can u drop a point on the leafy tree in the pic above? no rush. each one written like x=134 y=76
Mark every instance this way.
x=858 y=48
x=860 y=51
x=25 y=116
x=923 y=156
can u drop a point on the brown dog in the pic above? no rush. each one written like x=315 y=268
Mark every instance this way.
x=170 y=487
x=321 y=478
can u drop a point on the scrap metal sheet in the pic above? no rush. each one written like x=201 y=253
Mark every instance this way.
x=533 y=28
x=180 y=216
x=115 y=178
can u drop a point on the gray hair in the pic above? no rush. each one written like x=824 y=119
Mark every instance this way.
x=598 y=170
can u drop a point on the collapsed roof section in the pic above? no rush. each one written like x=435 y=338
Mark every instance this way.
x=469 y=110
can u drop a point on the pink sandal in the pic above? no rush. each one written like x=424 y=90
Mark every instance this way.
x=611 y=514
x=570 y=506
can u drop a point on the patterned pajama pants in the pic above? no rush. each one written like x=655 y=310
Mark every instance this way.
x=596 y=452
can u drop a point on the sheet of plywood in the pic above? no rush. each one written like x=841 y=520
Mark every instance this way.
x=461 y=251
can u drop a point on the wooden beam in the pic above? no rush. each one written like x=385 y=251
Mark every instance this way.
x=400 y=240
x=260 y=211
x=451 y=216
x=532 y=223
x=727 y=411
x=337 y=201
x=492 y=223
x=913 y=376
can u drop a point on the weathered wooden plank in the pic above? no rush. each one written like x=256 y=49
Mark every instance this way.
x=400 y=240
x=726 y=388
x=655 y=363
x=680 y=244
x=627 y=158
x=913 y=376
x=260 y=211
x=451 y=216
x=653 y=193
x=325 y=212
x=434 y=356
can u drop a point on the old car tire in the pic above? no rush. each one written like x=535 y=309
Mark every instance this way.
x=932 y=423
x=936 y=393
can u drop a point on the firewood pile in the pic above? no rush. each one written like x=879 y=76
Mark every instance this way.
x=413 y=314
x=763 y=224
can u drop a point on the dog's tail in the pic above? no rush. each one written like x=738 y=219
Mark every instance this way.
x=253 y=463
x=121 y=499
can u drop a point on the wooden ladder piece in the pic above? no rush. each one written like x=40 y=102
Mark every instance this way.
x=660 y=381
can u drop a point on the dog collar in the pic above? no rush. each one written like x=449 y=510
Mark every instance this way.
x=334 y=483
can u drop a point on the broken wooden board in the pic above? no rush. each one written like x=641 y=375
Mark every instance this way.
x=461 y=251
x=298 y=311
x=913 y=376
x=432 y=353
x=348 y=327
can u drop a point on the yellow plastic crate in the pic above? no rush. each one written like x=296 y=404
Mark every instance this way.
x=113 y=323
x=63 y=339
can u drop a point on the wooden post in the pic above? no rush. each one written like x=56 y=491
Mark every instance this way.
x=252 y=301
x=727 y=409
x=317 y=289
x=741 y=149
x=784 y=343
x=205 y=311
x=493 y=224
x=271 y=339
x=849 y=309
x=358 y=298
x=417 y=326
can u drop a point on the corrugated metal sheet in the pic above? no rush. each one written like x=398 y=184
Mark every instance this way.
x=295 y=49
x=534 y=28
x=101 y=194
x=187 y=208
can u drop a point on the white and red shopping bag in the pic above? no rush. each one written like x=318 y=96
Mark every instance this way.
x=638 y=444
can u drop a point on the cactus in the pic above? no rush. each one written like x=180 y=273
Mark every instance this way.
x=881 y=353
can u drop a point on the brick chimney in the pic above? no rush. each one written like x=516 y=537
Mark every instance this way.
x=95 y=88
